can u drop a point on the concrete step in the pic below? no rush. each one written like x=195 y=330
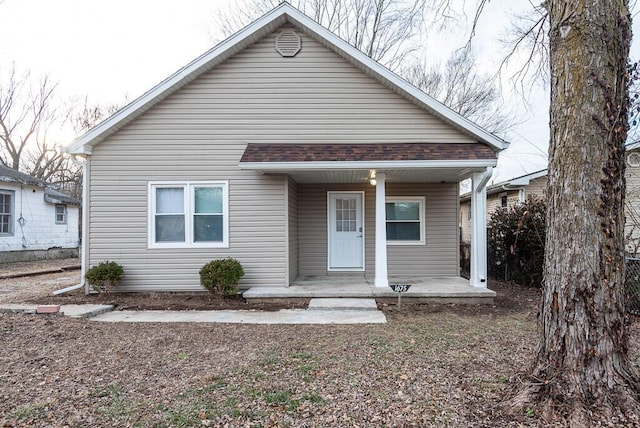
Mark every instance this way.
x=342 y=304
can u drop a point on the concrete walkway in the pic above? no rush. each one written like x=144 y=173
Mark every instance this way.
x=73 y=311
x=320 y=311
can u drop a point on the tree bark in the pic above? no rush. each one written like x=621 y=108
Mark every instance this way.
x=581 y=371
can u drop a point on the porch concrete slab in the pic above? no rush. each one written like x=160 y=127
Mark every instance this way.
x=285 y=316
x=84 y=311
x=346 y=304
x=422 y=289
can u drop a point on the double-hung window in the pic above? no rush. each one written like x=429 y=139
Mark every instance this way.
x=405 y=220
x=6 y=212
x=188 y=214
x=61 y=214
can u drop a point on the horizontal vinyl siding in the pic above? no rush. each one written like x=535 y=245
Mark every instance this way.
x=293 y=229
x=200 y=132
x=437 y=258
x=118 y=223
x=632 y=210
x=537 y=187
x=258 y=96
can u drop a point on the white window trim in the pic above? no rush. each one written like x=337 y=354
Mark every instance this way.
x=189 y=208
x=421 y=204
x=12 y=213
x=64 y=214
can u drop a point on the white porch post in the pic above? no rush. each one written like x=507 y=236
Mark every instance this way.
x=380 y=275
x=478 y=277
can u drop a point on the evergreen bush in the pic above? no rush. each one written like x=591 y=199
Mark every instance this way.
x=516 y=240
x=105 y=276
x=221 y=276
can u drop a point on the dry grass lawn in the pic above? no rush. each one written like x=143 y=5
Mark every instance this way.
x=431 y=365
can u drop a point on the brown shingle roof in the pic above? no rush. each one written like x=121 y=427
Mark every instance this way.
x=366 y=152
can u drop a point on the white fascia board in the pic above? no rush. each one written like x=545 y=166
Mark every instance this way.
x=307 y=166
x=517 y=182
x=632 y=146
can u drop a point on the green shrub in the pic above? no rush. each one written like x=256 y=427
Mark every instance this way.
x=221 y=276
x=105 y=276
x=516 y=240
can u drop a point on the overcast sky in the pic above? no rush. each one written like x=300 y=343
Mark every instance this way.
x=121 y=48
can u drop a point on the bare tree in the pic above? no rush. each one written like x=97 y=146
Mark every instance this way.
x=25 y=115
x=90 y=114
x=461 y=88
x=389 y=31
x=581 y=374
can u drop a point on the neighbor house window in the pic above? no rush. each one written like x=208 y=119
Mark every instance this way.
x=405 y=220
x=6 y=212
x=61 y=214
x=193 y=214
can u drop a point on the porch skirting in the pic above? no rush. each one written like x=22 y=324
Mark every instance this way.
x=423 y=290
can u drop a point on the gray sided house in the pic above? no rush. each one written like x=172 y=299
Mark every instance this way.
x=632 y=202
x=288 y=149
x=36 y=221
x=503 y=195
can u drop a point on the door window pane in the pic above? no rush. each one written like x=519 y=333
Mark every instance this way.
x=346 y=215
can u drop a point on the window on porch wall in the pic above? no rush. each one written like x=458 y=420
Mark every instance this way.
x=405 y=220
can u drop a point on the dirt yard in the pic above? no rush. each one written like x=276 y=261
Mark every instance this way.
x=431 y=365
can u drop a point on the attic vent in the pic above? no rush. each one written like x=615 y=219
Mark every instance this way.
x=633 y=159
x=288 y=43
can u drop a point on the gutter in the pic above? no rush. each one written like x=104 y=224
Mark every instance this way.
x=83 y=256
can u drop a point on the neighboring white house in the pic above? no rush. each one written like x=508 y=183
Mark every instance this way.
x=290 y=150
x=36 y=221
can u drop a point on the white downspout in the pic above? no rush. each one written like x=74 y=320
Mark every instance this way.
x=478 y=274
x=85 y=246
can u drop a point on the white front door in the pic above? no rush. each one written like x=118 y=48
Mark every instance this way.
x=346 y=234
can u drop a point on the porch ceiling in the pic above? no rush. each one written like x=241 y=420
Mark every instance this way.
x=354 y=163
x=416 y=175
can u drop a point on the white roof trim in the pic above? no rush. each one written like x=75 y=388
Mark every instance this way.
x=632 y=146
x=258 y=29
x=337 y=165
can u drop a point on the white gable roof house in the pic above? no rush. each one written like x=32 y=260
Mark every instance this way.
x=36 y=221
x=291 y=151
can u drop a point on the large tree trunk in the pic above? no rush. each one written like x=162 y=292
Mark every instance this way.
x=581 y=371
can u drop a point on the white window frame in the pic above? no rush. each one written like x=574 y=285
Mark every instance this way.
x=64 y=213
x=189 y=210
x=421 y=204
x=12 y=212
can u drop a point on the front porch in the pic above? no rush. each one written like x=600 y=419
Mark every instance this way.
x=423 y=290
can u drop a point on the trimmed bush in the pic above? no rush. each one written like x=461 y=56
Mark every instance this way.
x=221 y=276
x=105 y=276
x=516 y=240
